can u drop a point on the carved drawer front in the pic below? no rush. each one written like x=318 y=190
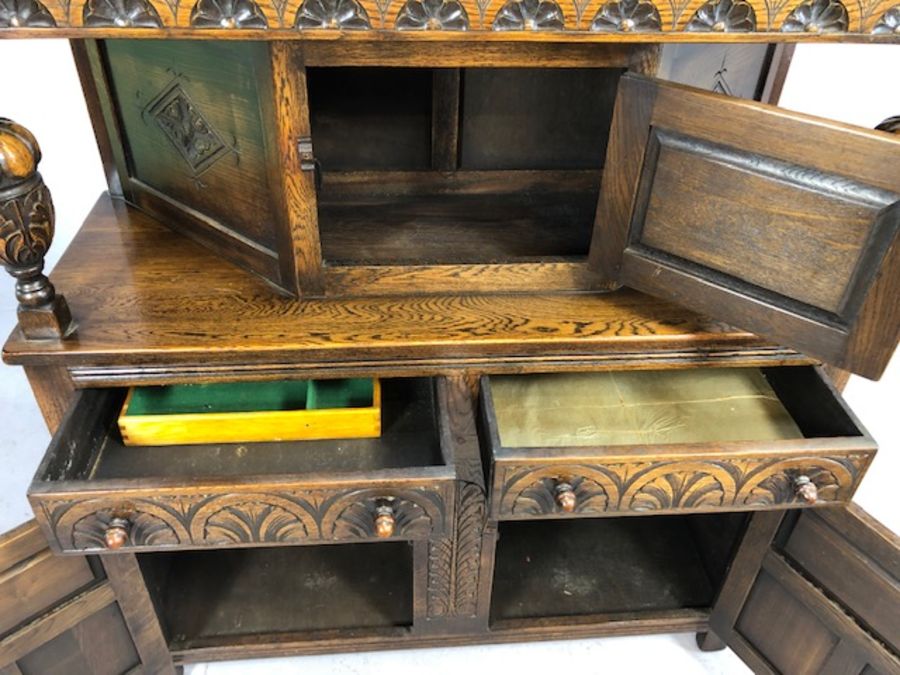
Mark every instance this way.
x=92 y=493
x=658 y=442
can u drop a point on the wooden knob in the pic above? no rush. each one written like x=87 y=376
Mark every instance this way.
x=806 y=490
x=116 y=535
x=385 y=523
x=565 y=496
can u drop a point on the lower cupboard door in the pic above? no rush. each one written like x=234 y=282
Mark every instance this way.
x=814 y=592
x=58 y=615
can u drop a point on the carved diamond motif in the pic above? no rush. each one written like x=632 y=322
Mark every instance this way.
x=199 y=144
x=723 y=16
x=817 y=16
x=432 y=15
x=346 y=14
x=627 y=16
x=529 y=15
x=24 y=14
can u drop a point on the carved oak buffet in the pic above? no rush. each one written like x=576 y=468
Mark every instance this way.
x=463 y=199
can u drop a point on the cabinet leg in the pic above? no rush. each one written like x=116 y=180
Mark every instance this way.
x=709 y=642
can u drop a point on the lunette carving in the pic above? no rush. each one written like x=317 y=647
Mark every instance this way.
x=432 y=15
x=247 y=518
x=529 y=15
x=627 y=16
x=817 y=16
x=26 y=232
x=668 y=485
x=25 y=14
x=889 y=23
x=723 y=16
x=228 y=14
x=343 y=14
x=121 y=14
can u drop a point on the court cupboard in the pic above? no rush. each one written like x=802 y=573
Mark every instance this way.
x=607 y=291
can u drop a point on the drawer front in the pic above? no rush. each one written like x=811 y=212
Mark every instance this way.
x=553 y=489
x=138 y=521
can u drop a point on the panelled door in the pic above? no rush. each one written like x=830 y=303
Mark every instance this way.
x=782 y=224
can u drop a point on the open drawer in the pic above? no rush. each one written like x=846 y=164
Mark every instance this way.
x=92 y=493
x=589 y=444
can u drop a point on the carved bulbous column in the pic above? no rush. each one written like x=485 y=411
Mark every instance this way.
x=26 y=231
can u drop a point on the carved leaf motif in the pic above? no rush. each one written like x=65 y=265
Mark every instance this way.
x=346 y=14
x=627 y=16
x=228 y=14
x=146 y=530
x=817 y=16
x=529 y=15
x=779 y=487
x=432 y=15
x=889 y=22
x=193 y=137
x=723 y=16
x=539 y=498
x=254 y=522
x=121 y=14
x=671 y=490
x=26 y=228
x=25 y=14
x=358 y=519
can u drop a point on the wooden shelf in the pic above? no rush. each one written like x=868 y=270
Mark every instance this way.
x=152 y=306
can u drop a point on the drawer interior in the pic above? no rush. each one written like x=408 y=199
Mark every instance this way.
x=662 y=407
x=90 y=447
x=470 y=165
x=611 y=566
x=278 y=591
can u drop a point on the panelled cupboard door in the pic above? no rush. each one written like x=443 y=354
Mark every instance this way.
x=58 y=615
x=782 y=224
x=811 y=592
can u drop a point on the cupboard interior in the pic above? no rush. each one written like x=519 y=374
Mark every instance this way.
x=469 y=165
x=609 y=567
x=409 y=439
x=294 y=590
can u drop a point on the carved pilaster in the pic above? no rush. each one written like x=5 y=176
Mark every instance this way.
x=26 y=231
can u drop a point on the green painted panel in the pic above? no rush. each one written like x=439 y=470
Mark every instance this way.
x=193 y=117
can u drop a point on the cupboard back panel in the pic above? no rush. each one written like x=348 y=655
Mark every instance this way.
x=193 y=121
x=530 y=118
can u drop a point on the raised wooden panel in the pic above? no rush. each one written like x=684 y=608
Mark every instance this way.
x=782 y=224
x=193 y=117
x=771 y=613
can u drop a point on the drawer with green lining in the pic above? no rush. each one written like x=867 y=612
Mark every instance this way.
x=94 y=493
x=286 y=410
x=675 y=441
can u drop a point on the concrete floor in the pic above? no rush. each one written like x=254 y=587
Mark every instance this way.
x=815 y=70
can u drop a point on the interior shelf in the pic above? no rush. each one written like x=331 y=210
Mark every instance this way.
x=215 y=597
x=610 y=566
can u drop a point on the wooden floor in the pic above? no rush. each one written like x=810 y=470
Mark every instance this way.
x=151 y=305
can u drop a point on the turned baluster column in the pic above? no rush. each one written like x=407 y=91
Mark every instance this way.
x=26 y=231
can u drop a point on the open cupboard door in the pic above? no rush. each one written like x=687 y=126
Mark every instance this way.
x=815 y=591
x=779 y=223
x=59 y=614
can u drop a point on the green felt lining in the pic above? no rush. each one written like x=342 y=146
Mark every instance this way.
x=232 y=397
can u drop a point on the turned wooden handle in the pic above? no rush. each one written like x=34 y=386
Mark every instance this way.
x=806 y=490
x=385 y=523
x=117 y=531
x=565 y=496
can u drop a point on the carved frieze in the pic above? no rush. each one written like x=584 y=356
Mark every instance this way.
x=25 y=14
x=674 y=485
x=121 y=14
x=627 y=16
x=529 y=15
x=432 y=15
x=337 y=14
x=228 y=14
x=817 y=16
x=245 y=518
x=723 y=16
